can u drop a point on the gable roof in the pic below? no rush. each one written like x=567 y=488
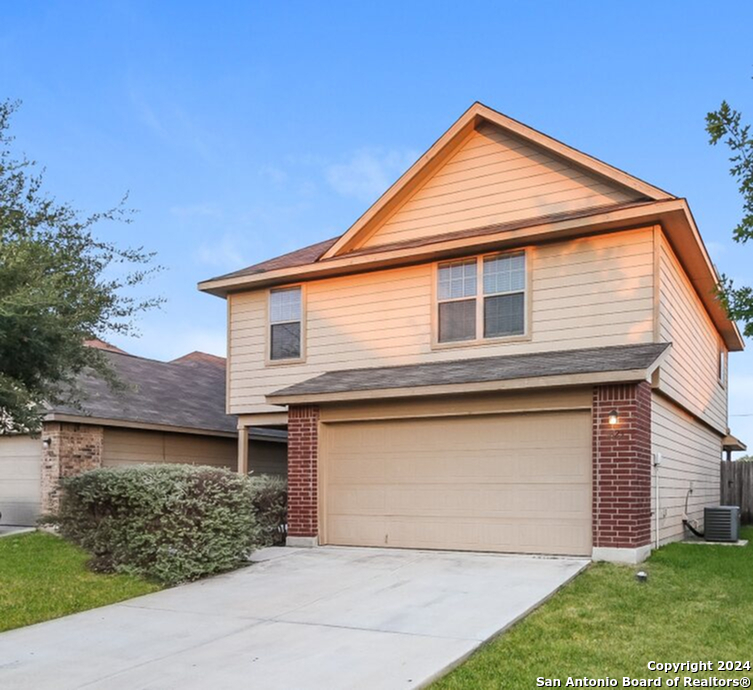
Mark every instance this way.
x=202 y=358
x=98 y=344
x=300 y=257
x=188 y=396
x=471 y=120
x=634 y=361
x=646 y=205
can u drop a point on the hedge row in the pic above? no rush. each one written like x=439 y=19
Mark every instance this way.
x=173 y=523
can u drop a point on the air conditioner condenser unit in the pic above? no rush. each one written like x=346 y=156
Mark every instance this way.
x=721 y=523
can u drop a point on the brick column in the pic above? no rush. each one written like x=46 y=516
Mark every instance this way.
x=303 y=453
x=71 y=450
x=622 y=468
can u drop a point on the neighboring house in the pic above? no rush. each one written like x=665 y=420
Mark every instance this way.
x=492 y=357
x=170 y=412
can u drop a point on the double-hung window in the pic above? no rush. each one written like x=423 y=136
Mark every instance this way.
x=504 y=295
x=285 y=319
x=481 y=298
x=456 y=295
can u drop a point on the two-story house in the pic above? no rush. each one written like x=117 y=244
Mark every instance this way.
x=517 y=348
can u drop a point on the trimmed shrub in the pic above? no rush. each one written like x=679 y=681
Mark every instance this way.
x=269 y=500
x=173 y=523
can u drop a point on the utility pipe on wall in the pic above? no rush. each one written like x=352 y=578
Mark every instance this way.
x=657 y=462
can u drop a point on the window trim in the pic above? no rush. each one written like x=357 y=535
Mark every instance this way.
x=480 y=340
x=464 y=298
x=268 y=327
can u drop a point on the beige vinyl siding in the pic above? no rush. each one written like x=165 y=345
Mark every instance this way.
x=495 y=178
x=461 y=406
x=265 y=457
x=690 y=373
x=584 y=293
x=691 y=453
x=20 y=479
x=132 y=446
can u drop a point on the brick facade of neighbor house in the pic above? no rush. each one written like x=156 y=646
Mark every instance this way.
x=622 y=466
x=72 y=449
x=303 y=451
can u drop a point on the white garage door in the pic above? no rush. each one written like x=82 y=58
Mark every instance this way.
x=20 y=479
x=509 y=483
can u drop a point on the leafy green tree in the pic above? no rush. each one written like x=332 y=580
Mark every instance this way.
x=726 y=125
x=59 y=286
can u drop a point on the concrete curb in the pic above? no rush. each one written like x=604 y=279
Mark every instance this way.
x=13 y=532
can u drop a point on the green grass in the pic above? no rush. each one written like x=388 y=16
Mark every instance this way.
x=43 y=577
x=697 y=605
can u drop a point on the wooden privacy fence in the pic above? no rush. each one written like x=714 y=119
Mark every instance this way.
x=737 y=488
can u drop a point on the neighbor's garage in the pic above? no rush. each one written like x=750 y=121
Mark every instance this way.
x=20 y=477
x=510 y=482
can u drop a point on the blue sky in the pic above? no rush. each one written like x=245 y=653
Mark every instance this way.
x=244 y=130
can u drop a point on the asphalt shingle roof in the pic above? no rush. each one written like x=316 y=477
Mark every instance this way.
x=487 y=369
x=189 y=394
x=314 y=252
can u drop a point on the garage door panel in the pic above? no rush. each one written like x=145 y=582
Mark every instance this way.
x=515 y=482
x=418 y=468
x=361 y=530
x=21 y=468
x=501 y=500
x=20 y=479
x=510 y=535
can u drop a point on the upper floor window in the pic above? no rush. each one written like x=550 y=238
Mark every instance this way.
x=285 y=311
x=500 y=309
x=456 y=293
x=504 y=295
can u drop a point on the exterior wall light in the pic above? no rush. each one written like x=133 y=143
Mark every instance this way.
x=613 y=418
x=47 y=443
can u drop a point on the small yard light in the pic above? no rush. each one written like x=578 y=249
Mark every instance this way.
x=641 y=576
x=613 y=418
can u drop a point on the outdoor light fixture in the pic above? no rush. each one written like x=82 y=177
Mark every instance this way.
x=641 y=576
x=47 y=443
x=613 y=418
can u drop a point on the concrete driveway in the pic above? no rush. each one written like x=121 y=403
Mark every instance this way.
x=304 y=619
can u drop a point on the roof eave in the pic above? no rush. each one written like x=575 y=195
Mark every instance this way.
x=673 y=214
x=601 y=220
x=556 y=381
x=732 y=443
x=130 y=424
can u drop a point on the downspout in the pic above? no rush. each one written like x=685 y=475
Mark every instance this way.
x=657 y=462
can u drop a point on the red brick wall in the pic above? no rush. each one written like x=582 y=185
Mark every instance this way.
x=622 y=466
x=303 y=451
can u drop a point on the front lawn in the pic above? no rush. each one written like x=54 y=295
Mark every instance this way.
x=697 y=605
x=44 y=577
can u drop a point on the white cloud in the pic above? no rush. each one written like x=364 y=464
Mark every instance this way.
x=174 y=124
x=277 y=176
x=367 y=173
x=225 y=253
